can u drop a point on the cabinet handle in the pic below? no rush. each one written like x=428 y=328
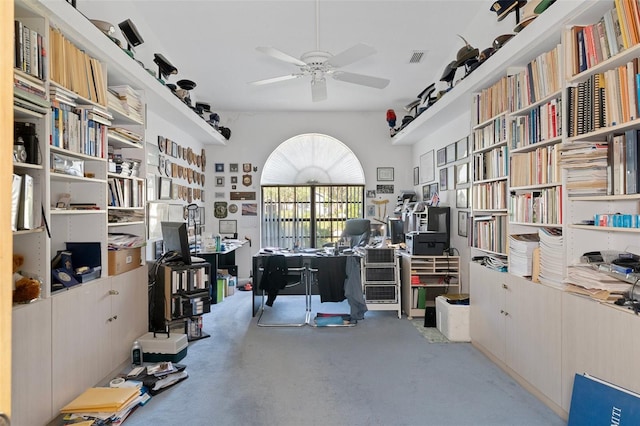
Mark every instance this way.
x=506 y=287
x=501 y=311
x=114 y=292
x=506 y=313
x=115 y=317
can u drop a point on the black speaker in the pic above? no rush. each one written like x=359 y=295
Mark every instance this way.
x=430 y=316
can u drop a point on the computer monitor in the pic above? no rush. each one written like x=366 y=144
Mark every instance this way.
x=438 y=221
x=395 y=230
x=176 y=240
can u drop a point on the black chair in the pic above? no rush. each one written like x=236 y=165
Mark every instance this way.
x=357 y=232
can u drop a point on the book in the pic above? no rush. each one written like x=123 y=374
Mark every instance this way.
x=598 y=402
x=26 y=210
x=631 y=162
x=16 y=189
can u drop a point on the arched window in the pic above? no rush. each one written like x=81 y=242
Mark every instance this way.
x=311 y=184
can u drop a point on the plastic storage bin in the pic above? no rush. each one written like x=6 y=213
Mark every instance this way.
x=452 y=320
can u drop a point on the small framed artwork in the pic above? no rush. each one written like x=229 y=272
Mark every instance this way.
x=371 y=193
x=384 y=189
x=228 y=226
x=451 y=152
x=462 y=148
x=219 y=167
x=425 y=193
x=416 y=175
x=385 y=173
x=443 y=179
x=462 y=223
x=441 y=156
x=233 y=167
x=427 y=169
x=219 y=180
x=234 y=179
x=246 y=167
x=461 y=198
x=433 y=190
x=371 y=210
x=461 y=173
x=165 y=188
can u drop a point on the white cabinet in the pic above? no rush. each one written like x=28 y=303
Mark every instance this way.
x=600 y=340
x=31 y=364
x=380 y=276
x=93 y=329
x=518 y=323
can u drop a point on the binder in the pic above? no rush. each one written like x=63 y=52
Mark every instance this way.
x=16 y=189
x=597 y=402
x=25 y=211
x=631 y=146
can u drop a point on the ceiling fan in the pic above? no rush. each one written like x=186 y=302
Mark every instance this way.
x=318 y=64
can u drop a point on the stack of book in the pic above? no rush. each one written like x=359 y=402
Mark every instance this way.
x=551 y=256
x=105 y=405
x=521 y=248
x=30 y=93
x=30 y=53
x=126 y=101
x=587 y=167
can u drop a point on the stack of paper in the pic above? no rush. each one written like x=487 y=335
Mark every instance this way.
x=583 y=278
x=521 y=248
x=551 y=256
x=107 y=404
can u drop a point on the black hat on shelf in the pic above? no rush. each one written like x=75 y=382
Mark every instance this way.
x=503 y=7
x=449 y=72
x=528 y=15
x=501 y=40
x=465 y=53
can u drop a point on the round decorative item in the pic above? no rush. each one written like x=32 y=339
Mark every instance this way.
x=161 y=143
x=246 y=180
x=233 y=208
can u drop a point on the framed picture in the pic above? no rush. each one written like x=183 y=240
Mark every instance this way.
x=433 y=189
x=165 y=188
x=461 y=198
x=246 y=167
x=371 y=210
x=427 y=170
x=443 y=179
x=384 y=189
x=425 y=193
x=441 y=156
x=462 y=223
x=462 y=148
x=371 y=193
x=219 y=180
x=233 y=167
x=385 y=173
x=219 y=167
x=451 y=152
x=234 y=179
x=228 y=226
x=416 y=175
x=462 y=175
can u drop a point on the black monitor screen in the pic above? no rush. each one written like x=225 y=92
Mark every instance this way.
x=438 y=220
x=176 y=240
x=395 y=229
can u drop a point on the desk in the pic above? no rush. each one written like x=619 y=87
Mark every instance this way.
x=223 y=258
x=323 y=270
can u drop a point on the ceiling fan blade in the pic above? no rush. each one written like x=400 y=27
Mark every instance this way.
x=319 y=90
x=275 y=79
x=278 y=54
x=353 y=54
x=364 y=80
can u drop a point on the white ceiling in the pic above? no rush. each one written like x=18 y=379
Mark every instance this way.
x=213 y=43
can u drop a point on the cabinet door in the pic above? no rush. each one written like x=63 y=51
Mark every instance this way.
x=31 y=357
x=487 y=309
x=533 y=334
x=129 y=312
x=80 y=343
x=600 y=340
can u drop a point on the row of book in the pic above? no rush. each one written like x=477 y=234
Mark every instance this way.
x=75 y=70
x=490 y=195
x=82 y=129
x=183 y=280
x=30 y=53
x=30 y=93
x=490 y=164
x=491 y=134
x=540 y=124
x=490 y=102
x=539 y=79
x=617 y=220
x=126 y=192
x=541 y=206
x=187 y=306
x=126 y=101
x=623 y=161
x=535 y=167
x=616 y=31
x=489 y=233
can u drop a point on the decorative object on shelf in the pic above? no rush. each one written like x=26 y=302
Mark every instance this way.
x=391 y=121
x=427 y=171
x=165 y=68
x=504 y=7
x=183 y=92
x=225 y=132
x=501 y=40
x=385 y=173
x=131 y=35
x=529 y=15
x=462 y=223
x=26 y=287
x=466 y=53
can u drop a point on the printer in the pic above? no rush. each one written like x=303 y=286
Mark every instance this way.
x=430 y=243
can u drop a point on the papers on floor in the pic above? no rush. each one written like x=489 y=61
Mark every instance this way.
x=521 y=248
x=112 y=404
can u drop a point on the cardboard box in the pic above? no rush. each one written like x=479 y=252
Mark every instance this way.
x=124 y=260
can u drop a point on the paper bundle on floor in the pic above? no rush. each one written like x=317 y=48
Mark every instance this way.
x=101 y=399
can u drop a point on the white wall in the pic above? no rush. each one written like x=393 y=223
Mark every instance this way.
x=255 y=135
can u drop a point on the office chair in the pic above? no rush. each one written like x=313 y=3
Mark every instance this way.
x=357 y=232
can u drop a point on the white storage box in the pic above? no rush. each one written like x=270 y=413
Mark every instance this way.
x=452 y=320
x=162 y=347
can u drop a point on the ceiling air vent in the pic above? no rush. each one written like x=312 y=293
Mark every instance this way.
x=416 y=56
